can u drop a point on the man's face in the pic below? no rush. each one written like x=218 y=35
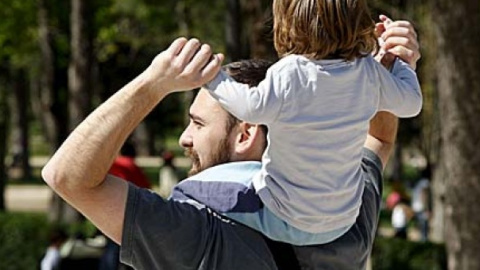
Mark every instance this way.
x=206 y=139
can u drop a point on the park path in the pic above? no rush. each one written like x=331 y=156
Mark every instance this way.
x=36 y=198
x=27 y=198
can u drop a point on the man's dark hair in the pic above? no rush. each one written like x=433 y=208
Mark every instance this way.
x=128 y=150
x=250 y=72
x=57 y=235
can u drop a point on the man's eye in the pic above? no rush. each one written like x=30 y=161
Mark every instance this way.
x=197 y=124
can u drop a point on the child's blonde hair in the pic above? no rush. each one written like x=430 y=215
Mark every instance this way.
x=324 y=29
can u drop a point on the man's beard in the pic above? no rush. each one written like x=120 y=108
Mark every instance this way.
x=220 y=155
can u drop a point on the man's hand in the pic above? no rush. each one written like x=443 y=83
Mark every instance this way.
x=185 y=65
x=400 y=40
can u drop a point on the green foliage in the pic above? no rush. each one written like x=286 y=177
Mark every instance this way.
x=152 y=174
x=398 y=254
x=84 y=229
x=140 y=26
x=17 y=31
x=23 y=239
x=410 y=174
x=129 y=33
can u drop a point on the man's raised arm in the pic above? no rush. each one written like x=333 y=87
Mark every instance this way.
x=78 y=170
x=382 y=135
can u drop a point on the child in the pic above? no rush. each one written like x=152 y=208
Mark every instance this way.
x=317 y=102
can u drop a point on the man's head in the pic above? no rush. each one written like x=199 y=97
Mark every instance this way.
x=214 y=136
x=128 y=150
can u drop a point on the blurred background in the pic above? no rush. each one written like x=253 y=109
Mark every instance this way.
x=60 y=59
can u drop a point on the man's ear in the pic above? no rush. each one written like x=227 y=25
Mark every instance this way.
x=246 y=140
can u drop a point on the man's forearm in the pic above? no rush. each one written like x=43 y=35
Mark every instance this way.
x=86 y=156
x=382 y=134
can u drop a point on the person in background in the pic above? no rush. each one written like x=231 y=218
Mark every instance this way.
x=398 y=203
x=168 y=174
x=401 y=216
x=125 y=167
x=51 y=260
x=422 y=203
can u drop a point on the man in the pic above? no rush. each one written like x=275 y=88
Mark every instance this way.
x=158 y=234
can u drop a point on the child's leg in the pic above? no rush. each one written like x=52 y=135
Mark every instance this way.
x=223 y=188
x=276 y=229
x=228 y=190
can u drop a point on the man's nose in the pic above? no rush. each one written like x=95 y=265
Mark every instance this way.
x=185 y=140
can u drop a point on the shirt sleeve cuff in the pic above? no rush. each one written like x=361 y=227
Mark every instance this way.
x=213 y=84
x=126 y=249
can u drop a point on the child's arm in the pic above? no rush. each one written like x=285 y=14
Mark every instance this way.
x=258 y=105
x=400 y=91
x=401 y=42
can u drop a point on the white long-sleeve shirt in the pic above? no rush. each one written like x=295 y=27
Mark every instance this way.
x=317 y=114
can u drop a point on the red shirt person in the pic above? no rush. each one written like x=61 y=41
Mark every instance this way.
x=125 y=167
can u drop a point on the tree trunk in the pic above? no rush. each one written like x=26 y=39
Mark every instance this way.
x=260 y=34
x=233 y=31
x=49 y=104
x=458 y=27
x=141 y=137
x=437 y=222
x=397 y=163
x=182 y=12
x=51 y=101
x=20 y=145
x=4 y=121
x=79 y=87
x=79 y=76
x=430 y=123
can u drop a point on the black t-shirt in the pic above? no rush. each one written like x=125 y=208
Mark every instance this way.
x=161 y=234
x=170 y=235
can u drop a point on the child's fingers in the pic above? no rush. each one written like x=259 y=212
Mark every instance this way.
x=385 y=19
x=379 y=29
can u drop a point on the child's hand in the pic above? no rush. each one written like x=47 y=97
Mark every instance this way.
x=185 y=65
x=399 y=40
